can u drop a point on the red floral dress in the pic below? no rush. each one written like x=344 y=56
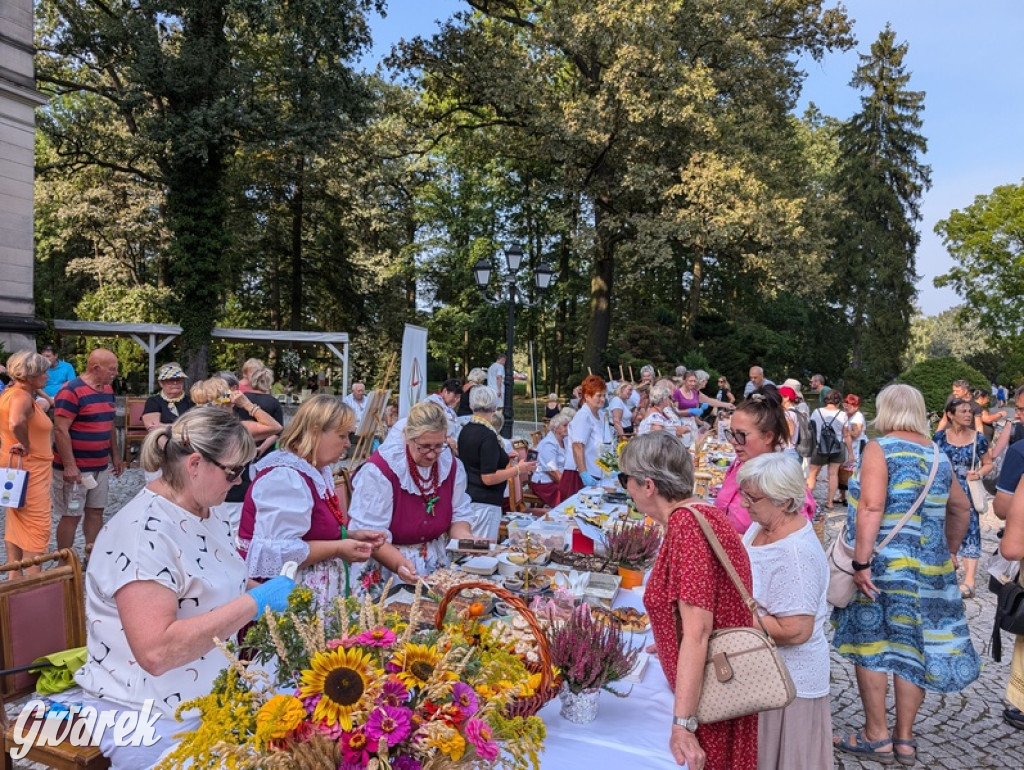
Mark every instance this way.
x=688 y=571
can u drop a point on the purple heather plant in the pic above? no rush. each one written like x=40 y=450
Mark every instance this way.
x=633 y=546
x=589 y=654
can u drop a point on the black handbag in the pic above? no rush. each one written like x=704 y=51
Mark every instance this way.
x=1009 y=616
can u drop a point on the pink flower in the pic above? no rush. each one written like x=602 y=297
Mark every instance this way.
x=376 y=637
x=394 y=692
x=464 y=697
x=389 y=722
x=480 y=735
x=334 y=732
x=354 y=748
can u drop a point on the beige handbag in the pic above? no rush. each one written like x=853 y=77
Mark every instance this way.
x=743 y=672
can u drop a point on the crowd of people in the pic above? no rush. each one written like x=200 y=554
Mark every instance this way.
x=233 y=495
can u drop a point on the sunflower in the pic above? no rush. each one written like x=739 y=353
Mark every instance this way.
x=342 y=680
x=416 y=663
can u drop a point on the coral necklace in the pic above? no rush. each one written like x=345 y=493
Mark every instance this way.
x=427 y=486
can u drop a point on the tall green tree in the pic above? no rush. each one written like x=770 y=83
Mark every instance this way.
x=986 y=241
x=175 y=88
x=624 y=104
x=880 y=180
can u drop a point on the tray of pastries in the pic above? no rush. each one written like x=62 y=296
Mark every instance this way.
x=627 y=618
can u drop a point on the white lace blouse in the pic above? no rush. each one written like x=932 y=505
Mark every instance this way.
x=372 y=502
x=284 y=506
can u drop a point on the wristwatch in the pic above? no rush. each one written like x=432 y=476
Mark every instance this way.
x=858 y=566
x=687 y=723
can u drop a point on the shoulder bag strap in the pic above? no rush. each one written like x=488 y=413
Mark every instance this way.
x=723 y=557
x=917 y=503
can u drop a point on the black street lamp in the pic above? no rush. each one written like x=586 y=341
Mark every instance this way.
x=509 y=292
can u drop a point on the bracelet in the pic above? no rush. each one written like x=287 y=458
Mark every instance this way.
x=859 y=566
x=255 y=408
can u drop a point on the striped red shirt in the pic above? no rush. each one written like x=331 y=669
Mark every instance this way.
x=91 y=413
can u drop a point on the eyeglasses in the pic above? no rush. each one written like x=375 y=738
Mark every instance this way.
x=623 y=479
x=427 y=449
x=738 y=437
x=749 y=499
x=230 y=474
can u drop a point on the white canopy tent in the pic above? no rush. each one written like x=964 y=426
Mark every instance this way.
x=155 y=337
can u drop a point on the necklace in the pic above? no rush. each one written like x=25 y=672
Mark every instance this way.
x=485 y=423
x=427 y=486
x=172 y=403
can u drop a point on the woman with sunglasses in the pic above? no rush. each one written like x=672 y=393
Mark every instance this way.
x=758 y=426
x=165 y=581
x=488 y=466
x=412 y=491
x=291 y=512
x=689 y=595
x=967 y=450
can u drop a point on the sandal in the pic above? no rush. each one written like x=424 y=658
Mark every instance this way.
x=966 y=591
x=1014 y=718
x=907 y=760
x=855 y=743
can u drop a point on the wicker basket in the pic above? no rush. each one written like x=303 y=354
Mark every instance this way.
x=549 y=685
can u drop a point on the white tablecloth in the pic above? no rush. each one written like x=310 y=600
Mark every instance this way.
x=630 y=732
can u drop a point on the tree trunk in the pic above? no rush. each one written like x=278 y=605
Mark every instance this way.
x=296 y=210
x=601 y=283
x=693 y=303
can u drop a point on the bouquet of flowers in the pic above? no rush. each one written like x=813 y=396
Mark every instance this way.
x=633 y=545
x=590 y=655
x=357 y=688
x=609 y=461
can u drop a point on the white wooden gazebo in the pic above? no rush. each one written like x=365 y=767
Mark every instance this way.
x=155 y=337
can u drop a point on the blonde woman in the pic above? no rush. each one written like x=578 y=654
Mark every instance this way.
x=414 y=492
x=25 y=437
x=291 y=512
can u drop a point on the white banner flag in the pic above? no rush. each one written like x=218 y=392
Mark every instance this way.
x=413 y=387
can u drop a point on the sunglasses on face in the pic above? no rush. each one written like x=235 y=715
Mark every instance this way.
x=738 y=437
x=231 y=474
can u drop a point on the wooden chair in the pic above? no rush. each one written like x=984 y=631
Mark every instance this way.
x=41 y=614
x=536 y=436
x=134 y=431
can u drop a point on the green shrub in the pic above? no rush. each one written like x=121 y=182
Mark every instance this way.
x=934 y=376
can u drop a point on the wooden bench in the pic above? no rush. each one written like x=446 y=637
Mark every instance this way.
x=41 y=614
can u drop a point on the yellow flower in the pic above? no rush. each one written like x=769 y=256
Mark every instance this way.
x=417 y=663
x=621 y=445
x=342 y=680
x=279 y=716
x=602 y=465
x=450 y=743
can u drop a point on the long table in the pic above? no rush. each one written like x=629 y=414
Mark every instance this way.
x=629 y=732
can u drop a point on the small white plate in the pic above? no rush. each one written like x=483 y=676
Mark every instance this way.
x=480 y=565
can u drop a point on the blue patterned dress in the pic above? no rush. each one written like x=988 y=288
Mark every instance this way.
x=916 y=628
x=964 y=459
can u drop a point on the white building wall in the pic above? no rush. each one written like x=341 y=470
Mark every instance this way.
x=18 y=101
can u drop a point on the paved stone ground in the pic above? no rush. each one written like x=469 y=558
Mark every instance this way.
x=955 y=731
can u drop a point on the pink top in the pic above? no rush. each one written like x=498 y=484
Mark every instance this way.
x=729 y=500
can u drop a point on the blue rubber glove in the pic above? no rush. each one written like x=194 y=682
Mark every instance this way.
x=587 y=479
x=274 y=593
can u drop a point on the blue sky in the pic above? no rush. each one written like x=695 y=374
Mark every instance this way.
x=968 y=56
